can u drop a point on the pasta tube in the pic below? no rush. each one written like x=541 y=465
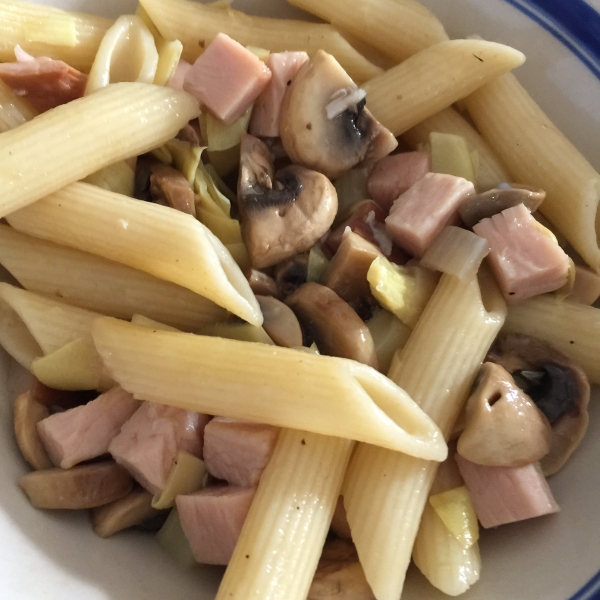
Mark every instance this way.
x=283 y=536
x=123 y=120
x=397 y=28
x=14 y=110
x=435 y=78
x=571 y=328
x=127 y=53
x=45 y=31
x=101 y=285
x=537 y=153
x=197 y=24
x=437 y=367
x=290 y=388
x=52 y=324
x=490 y=171
x=141 y=235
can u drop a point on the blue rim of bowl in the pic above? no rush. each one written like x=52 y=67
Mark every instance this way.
x=573 y=22
x=577 y=25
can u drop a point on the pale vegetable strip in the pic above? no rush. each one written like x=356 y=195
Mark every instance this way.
x=52 y=324
x=490 y=171
x=155 y=239
x=45 y=31
x=78 y=138
x=435 y=78
x=571 y=328
x=14 y=110
x=101 y=285
x=537 y=153
x=196 y=25
x=436 y=366
x=266 y=384
x=397 y=28
x=441 y=558
x=282 y=538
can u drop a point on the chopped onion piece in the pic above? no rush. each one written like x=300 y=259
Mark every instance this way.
x=457 y=252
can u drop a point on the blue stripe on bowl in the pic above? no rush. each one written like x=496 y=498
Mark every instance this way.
x=590 y=591
x=573 y=22
x=577 y=25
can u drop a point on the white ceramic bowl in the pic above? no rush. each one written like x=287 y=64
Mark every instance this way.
x=55 y=556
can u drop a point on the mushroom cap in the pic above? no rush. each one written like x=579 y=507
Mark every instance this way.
x=503 y=427
x=539 y=368
x=283 y=213
x=484 y=205
x=27 y=414
x=281 y=324
x=335 y=142
x=333 y=323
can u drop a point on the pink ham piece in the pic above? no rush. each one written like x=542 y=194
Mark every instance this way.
x=44 y=82
x=393 y=175
x=265 y=114
x=176 y=81
x=503 y=495
x=227 y=78
x=212 y=520
x=238 y=451
x=524 y=255
x=419 y=215
x=86 y=431
x=150 y=440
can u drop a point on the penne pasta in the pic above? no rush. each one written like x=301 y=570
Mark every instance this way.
x=283 y=536
x=45 y=31
x=52 y=324
x=537 y=153
x=140 y=235
x=101 y=285
x=490 y=171
x=290 y=388
x=397 y=28
x=122 y=120
x=14 y=110
x=434 y=78
x=197 y=24
x=441 y=558
x=437 y=365
x=570 y=327
x=127 y=53
x=15 y=338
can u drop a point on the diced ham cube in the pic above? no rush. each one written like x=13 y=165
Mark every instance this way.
x=394 y=174
x=86 y=431
x=238 y=451
x=212 y=520
x=227 y=78
x=524 y=255
x=265 y=114
x=176 y=81
x=45 y=82
x=503 y=495
x=150 y=440
x=419 y=215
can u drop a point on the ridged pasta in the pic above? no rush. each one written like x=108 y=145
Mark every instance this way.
x=14 y=110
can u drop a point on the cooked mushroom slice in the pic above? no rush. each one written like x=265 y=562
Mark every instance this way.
x=282 y=214
x=503 y=427
x=133 y=509
x=290 y=274
x=28 y=413
x=484 y=205
x=262 y=284
x=333 y=324
x=280 y=322
x=86 y=486
x=324 y=124
x=339 y=575
x=556 y=384
x=168 y=186
x=339 y=521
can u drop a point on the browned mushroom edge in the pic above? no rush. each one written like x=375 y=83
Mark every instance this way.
x=280 y=322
